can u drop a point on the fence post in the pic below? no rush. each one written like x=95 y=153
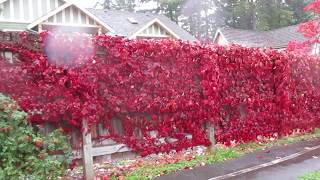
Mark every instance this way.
x=210 y=134
x=87 y=152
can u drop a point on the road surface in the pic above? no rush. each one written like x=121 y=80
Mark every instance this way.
x=290 y=169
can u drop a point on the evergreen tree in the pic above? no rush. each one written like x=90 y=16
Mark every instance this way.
x=273 y=15
x=261 y=14
x=119 y=4
x=198 y=18
x=297 y=6
x=170 y=8
x=202 y=17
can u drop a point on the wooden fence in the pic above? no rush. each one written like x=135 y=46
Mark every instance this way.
x=91 y=146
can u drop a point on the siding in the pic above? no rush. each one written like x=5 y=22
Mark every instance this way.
x=26 y=10
x=13 y=26
x=221 y=41
x=155 y=30
x=71 y=16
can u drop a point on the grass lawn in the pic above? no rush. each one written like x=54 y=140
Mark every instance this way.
x=254 y=146
x=221 y=154
x=311 y=176
x=151 y=171
x=152 y=167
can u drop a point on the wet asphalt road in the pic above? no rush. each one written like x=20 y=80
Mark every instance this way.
x=288 y=170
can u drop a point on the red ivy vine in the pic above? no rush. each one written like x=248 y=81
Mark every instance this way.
x=310 y=30
x=161 y=90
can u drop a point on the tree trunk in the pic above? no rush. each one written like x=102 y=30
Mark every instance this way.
x=107 y=4
x=254 y=16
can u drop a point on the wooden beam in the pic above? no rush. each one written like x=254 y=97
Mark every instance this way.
x=1 y=9
x=56 y=5
x=40 y=28
x=153 y=29
x=106 y=150
x=71 y=14
x=87 y=20
x=21 y=8
x=100 y=31
x=210 y=132
x=48 y=3
x=152 y=36
x=87 y=152
x=30 y=11
x=63 y=16
x=40 y=13
x=2 y=1
x=158 y=30
x=69 y=25
x=48 y=15
x=11 y=9
x=55 y=18
x=79 y=17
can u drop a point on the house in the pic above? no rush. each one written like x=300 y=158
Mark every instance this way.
x=277 y=39
x=141 y=25
x=62 y=15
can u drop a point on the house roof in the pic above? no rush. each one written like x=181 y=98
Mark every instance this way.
x=64 y=6
x=281 y=37
x=278 y=38
x=118 y=20
x=115 y=21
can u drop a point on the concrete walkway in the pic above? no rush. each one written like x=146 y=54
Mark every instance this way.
x=262 y=165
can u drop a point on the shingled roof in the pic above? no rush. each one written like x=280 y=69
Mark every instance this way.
x=118 y=20
x=278 y=38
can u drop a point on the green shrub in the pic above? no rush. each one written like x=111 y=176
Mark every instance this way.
x=311 y=176
x=25 y=153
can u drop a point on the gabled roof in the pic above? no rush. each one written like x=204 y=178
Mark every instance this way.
x=64 y=6
x=281 y=37
x=156 y=20
x=118 y=20
x=278 y=38
x=243 y=37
